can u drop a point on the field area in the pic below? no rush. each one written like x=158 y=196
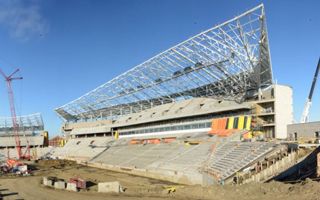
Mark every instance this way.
x=140 y=187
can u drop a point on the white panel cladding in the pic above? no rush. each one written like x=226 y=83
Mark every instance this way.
x=283 y=110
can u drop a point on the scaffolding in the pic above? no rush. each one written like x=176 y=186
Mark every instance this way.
x=229 y=61
x=26 y=124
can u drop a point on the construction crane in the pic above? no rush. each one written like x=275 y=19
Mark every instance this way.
x=305 y=114
x=15 y=125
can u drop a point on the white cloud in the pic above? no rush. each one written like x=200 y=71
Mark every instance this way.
x=22 y=19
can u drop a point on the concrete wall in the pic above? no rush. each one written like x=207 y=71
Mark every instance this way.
x=10 y=141
x=274 y=169
x=90 y=130
x=304 y=130
x=70 y=126
x=283 y=110
x=161 y=174
x=187 y=108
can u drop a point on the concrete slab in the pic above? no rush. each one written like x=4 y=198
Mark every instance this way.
x=109 y=187
x=60 y=185
x=72 y=187
x=50 y=183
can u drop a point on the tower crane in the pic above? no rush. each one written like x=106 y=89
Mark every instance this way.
x=305 y=114
x=15 y=124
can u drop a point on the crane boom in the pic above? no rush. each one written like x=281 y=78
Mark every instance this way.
x=15 y=125
x=305 y=114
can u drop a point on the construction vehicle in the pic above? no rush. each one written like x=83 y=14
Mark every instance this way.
x=15 y=124
x=306 y=110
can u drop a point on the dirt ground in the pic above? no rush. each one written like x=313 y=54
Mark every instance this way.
x=30 y=188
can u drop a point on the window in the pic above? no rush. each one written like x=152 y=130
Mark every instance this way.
x=202 y=125
x=194 y=126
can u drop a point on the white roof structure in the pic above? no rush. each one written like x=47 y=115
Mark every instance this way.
x=26 y=123
x=224 y=62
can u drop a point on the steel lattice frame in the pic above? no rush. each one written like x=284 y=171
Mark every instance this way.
x=32 y=122
x=223 y=62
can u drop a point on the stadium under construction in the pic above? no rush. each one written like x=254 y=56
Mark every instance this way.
x=183 y=115
x=205 y=111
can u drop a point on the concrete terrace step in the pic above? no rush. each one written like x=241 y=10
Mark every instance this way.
x=234 y=156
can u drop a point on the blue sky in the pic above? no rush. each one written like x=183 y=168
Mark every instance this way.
x=67 y=48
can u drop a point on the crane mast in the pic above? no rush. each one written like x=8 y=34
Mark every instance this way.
x=15 y=125
x=306 y=110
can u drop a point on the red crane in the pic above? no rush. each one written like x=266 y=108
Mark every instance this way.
x=8 y=80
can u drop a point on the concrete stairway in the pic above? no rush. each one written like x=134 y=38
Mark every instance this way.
x=233 y=156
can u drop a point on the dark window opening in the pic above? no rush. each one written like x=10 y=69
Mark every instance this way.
x=295 y=136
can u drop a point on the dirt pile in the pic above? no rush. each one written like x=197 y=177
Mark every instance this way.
x=55 y=164
x=144 y=188
x=274 y=190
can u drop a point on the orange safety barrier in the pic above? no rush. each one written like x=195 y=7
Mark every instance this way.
x=136 y=141
x=169 y=139
x=153 y=141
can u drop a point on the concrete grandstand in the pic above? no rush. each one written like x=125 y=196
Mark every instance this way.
x=184 y=114
x=30 y=130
